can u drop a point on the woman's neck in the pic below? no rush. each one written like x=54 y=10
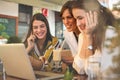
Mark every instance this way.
x=41 y=42
x=77 y=32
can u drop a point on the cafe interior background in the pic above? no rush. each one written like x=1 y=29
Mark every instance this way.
x=15 y=16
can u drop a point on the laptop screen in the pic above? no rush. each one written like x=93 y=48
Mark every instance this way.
x=16 y=61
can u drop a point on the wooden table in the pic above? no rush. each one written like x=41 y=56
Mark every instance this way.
x=56 y=76
x=43 y=76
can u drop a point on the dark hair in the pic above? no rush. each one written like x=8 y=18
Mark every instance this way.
x=105 y=18
x=68 y=6
x=41 y=17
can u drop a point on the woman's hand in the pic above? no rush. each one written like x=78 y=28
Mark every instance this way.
x=42 y=58
x=31 y=42
x=67 y=57
x=91 y=20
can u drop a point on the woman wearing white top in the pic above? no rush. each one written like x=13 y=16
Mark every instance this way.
x=71 y=33
x=92 y=20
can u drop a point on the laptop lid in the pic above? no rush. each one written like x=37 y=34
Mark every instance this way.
x=16 y=61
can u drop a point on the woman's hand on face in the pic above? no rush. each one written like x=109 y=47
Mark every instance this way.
x=91 y=22
x=31 y=41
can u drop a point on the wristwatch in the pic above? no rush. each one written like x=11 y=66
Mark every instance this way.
x=90 y=47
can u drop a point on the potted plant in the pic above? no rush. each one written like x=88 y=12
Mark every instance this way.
x=3 y=35
x=14 y=39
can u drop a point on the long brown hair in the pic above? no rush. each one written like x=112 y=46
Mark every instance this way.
x=41 y=17
x=67 y=5
x=105 y=18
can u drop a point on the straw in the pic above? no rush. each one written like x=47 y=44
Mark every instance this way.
x=60 y=49
x=57 y=57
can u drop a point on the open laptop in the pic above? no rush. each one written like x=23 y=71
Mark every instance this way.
x=16 y=61
x=17 y=64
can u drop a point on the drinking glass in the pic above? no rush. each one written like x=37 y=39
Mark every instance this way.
x=94 y=63
x=57 y=65
x=56 y=55
x=2 y=71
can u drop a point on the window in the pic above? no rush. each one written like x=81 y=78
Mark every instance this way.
x=25 y=13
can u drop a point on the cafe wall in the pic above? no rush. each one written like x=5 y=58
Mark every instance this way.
x=12 y=9
x=50 y=15
x=8 y=8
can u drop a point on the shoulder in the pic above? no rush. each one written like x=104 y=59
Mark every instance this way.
x=54 y=38
x=67 y=33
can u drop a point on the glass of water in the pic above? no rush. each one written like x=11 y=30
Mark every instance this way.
x=94 y=65
x=2 y=71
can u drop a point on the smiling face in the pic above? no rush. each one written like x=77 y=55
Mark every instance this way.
x=68 y=21
x=79 y=15
x=39 y=29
